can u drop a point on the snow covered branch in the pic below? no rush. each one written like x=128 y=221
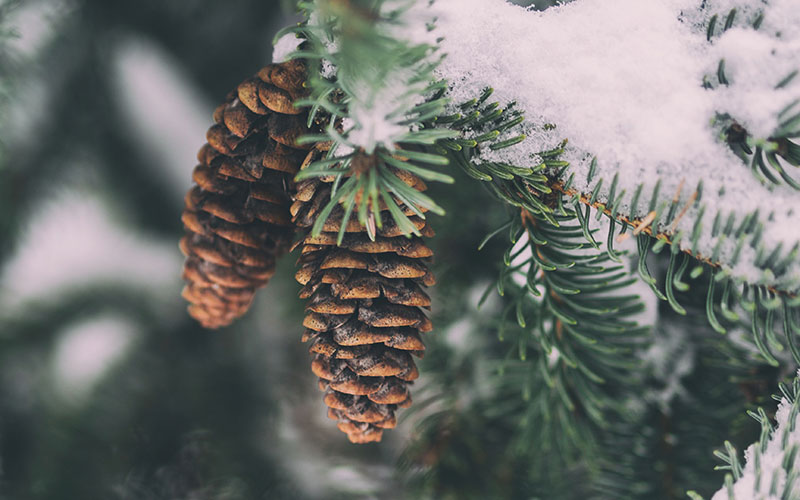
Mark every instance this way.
x=629 y=85
x=771 y=469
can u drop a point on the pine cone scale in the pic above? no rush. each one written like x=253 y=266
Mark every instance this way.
x=247 y=92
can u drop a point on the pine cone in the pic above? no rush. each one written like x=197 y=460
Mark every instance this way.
x=364 y=315
x=237 y=216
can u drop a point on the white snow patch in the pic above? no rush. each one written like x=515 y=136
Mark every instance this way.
x=35 y=23
x=671 y=357
x=284 y=46
x=168 y=114
x=607 y=73
x=86 y=351
x=378 y=116
x=382 y=100
x=72 y=242
x=755 y=62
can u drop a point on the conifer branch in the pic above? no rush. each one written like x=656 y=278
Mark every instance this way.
x=570 y=301
x=735 y=240
x=545 y=190
x=770 y=470
x=369 y=88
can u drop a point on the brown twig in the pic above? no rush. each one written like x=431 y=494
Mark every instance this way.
x=643 y=225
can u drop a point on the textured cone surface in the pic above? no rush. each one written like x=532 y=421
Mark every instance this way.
x=365 y=310
x=237 y=216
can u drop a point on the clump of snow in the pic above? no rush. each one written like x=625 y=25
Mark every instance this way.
x=378 y=117
x=36 y=23
x=755 y=63
x=765 y=476
x=670 y=358
x=622 y=81
x=381 y=97
x=616 y=77
x=284 y=46
x=86 y=351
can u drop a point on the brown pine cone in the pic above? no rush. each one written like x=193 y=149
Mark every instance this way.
x=237 y=215
x=364 y=314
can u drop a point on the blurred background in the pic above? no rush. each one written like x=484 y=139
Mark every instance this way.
x=108 y=389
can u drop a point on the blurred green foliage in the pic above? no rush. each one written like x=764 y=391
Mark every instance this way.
x=185 y=414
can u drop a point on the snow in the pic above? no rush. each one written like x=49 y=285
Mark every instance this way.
x=621 y=79
x=670 y=358
x=168 y=115
x=86 y=351
x=380 y=100
x=757 y=482
x=377 y=118
x=35 y=23
x=284 y=46
x=73 y=241
x=756 y=63
x=572 y=70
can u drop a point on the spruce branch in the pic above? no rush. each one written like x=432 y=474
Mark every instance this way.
x=485 y=409
x=425 y=131
x=767 y=306
x=373 y=87
x=770 y=469
x=495 y=412
x=746 y=245
x=569 y=299
x=546 y=188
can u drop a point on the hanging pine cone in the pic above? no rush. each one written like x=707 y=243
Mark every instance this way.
x=364 y=315
x=237 y=215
